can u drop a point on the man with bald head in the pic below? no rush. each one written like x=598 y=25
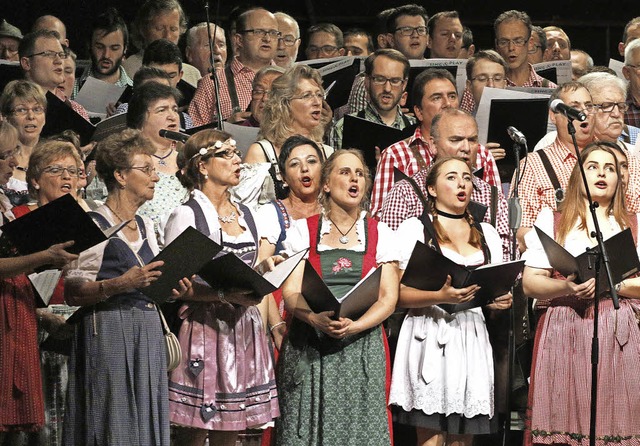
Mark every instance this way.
x=288 y=42
x=256 y=38
x=453 y=132
x=52 y=23
x=198 y=50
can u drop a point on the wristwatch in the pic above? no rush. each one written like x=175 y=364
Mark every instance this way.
x=618 y=286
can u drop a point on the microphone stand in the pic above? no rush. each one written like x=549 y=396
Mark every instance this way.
x=515 y=217
x=214 y=75
x=602 y=257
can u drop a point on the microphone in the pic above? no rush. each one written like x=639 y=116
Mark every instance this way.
x=516 y=135
x=557 y=106
x=174 y=136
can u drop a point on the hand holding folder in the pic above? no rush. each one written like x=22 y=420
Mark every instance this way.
x=428 y=270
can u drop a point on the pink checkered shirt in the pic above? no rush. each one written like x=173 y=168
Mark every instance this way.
x=79 y=109
x=402 y=202
x=535 y=80
x=202 y=108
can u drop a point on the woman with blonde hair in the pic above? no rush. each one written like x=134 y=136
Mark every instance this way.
x=559 y=396
x=294 y=107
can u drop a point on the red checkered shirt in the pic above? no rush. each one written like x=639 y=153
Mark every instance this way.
x=535 y=80
x=467 y=103
x=402 y=202
x=401 y=157
x=632 y=116
x=79 y=109
x=535 y=189
x=202 y=108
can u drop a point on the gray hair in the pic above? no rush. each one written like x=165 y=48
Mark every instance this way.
x=596 y=81
x=628 y=51
x=285 y=16
x=191 y=34
x=264 y=71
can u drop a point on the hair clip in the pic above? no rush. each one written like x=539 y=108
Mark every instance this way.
x=217 y=145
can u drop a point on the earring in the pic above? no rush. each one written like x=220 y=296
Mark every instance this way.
x=206 y=176
x=36 y=187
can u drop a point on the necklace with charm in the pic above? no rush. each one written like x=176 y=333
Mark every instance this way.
x=161 y=159
x=343 y=235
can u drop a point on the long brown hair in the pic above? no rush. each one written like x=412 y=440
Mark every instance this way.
x=475 y=238
x=574 y=207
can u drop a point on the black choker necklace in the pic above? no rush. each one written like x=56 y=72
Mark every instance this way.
x=448 y=215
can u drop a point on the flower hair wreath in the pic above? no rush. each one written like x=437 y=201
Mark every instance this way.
x=218 y=145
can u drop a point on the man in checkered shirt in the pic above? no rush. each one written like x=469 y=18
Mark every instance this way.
x=536 y=190
x=257 y=40
x=453 y=132
x=433 y=91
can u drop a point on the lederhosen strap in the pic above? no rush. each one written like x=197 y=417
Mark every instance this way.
x=559 y=190
x=494 y=205
x=233 y=94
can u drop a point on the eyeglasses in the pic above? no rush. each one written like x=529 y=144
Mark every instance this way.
x=24 y=111
x=326 y=49
x=518 y=41
x=262 y=33
x=50 y=54
x=607 y=107
x=534 y=49
x=483 y=78
x=381 y=80
x=635 y=67
x=288 y=40
x=310 y=96
x=147 y=170
x=56 y=171
x=228 y=154
x=11 y=50
x=408 y=31
x=259 y=93
x=9 y=154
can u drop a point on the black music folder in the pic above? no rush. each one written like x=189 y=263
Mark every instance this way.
x=352 y=305
x=623 y=258
x=527 y=115
x=183 y=257
x=428 y=270
x=228 y=271
x=60 y=117
x=58 y=221
x=366 y=135
x=343 y=73
x=9 y=71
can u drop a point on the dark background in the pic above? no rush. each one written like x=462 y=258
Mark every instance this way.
x=593 y=25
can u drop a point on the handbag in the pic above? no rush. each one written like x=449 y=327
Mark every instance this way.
x=174 y=352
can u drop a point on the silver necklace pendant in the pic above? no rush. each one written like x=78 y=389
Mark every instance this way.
x=344 y=239
x=228 y=218
x=162 y=162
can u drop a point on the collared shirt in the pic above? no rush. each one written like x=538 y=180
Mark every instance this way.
x=202 y=108
x=535 y=80
x=403 y=202
x=401 y=157
x=358 y=96
x=79 y=109
x=123 y=81
x=632 y=116
x=535 y=188
x=371 y=114
x=629 y=134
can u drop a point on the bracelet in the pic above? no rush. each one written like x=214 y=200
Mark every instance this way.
x=221 y=296
x=102 y=291
x=277 y=325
